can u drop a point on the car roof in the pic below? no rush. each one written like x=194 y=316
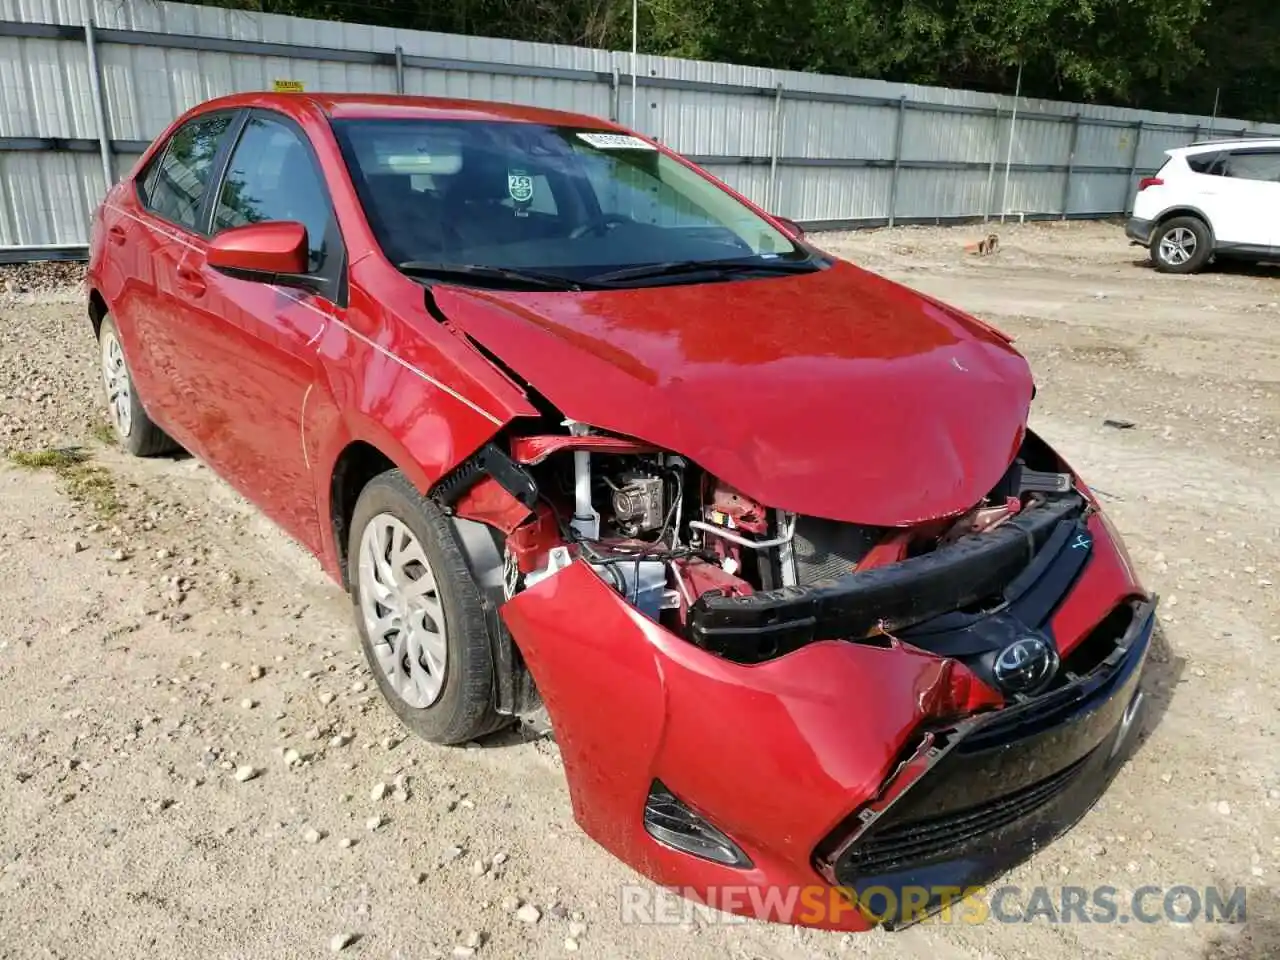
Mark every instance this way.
x=1206 y=146
x=376 y=105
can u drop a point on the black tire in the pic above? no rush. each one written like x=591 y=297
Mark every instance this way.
x=1199 y=256
x=464 y=707
x=141 y=437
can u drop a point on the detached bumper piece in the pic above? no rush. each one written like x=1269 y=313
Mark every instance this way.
x=974 y=570
x=980 y=797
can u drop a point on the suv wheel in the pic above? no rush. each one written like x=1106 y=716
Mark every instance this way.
x=1181 y=245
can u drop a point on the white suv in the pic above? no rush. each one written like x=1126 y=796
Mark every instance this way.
x=1215 y=199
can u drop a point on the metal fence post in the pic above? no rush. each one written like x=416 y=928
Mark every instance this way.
x=991 y=167
x=897 y=158
x=1133 y=165
x=1196 y=135
x=775 y=148
x=1071 y=164
x=399 y=69
x=99 y=105
x=614 y=83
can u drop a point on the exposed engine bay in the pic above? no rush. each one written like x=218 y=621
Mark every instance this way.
x=740 y=578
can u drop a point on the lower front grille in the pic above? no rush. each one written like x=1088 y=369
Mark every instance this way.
x=930 y=838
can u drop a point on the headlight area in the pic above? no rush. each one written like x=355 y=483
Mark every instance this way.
x=751 y=582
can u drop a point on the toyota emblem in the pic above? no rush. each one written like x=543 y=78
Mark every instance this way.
x=1026 y=665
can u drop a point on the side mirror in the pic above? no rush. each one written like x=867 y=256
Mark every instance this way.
x=272 y=252
x=791 y=227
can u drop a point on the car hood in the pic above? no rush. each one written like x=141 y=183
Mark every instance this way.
x=835 y=394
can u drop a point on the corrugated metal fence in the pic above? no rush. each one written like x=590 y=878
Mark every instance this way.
x=85 y=84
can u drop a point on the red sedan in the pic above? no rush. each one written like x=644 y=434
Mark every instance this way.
x=588 y=436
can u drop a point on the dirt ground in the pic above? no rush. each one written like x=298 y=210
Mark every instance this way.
x=157 y=635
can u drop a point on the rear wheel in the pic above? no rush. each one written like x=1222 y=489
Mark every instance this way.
x=1181 y=245
x=133 y=428
x=419 y=613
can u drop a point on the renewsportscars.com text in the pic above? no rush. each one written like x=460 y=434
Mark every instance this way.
x=1150 y=903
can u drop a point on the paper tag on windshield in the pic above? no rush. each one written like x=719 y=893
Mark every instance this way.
x=615 y=141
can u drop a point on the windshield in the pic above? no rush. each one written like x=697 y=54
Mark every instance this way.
x=551 y=202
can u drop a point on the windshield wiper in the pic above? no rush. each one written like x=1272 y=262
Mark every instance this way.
x=672 y=268
x=479 y=271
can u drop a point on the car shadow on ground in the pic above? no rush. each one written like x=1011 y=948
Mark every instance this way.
x=1234 y=268
x=1245 y=268
x=1257 y=937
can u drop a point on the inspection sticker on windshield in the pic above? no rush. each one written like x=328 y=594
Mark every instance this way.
x=615 y=141
x=519 y=186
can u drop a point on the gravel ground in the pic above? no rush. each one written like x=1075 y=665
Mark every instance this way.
x=193 y=762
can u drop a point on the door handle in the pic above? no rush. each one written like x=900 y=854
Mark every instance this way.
x=190 y=281
x=116 y=235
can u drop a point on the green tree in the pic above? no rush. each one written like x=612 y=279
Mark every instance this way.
x=1161 y=54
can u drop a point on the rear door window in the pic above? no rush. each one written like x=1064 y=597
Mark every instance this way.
x=1254 y=165
x=174 y=188
x=1207 y=163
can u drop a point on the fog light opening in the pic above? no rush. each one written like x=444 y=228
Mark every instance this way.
x=674 y=825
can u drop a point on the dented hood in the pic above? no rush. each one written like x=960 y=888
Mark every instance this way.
x=836 y=394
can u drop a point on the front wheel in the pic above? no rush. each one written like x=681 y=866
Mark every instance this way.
x=1181 y=245
x=419 y=613
x=133 y=428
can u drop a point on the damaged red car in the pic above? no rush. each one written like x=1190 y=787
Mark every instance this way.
x=588 y=436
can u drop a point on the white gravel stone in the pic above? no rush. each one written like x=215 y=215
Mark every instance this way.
x=246 y=773
x=528 y=913
x=340 y=941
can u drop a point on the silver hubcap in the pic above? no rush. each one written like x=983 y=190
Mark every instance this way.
x=1178 y=246
x=402 y=614
x=115 y=378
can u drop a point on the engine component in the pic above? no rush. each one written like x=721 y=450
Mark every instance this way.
x=736 y=511
x=643 y=583
x=637 y=504
x=827 y=548
x=785 y=537
x=586 y=519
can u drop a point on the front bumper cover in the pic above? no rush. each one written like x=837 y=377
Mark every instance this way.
x=985 y=794
x=780 y=755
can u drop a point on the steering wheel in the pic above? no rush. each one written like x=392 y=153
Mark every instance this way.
x=599 y=226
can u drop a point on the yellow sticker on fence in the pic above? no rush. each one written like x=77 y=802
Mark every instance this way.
x=287 y=86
